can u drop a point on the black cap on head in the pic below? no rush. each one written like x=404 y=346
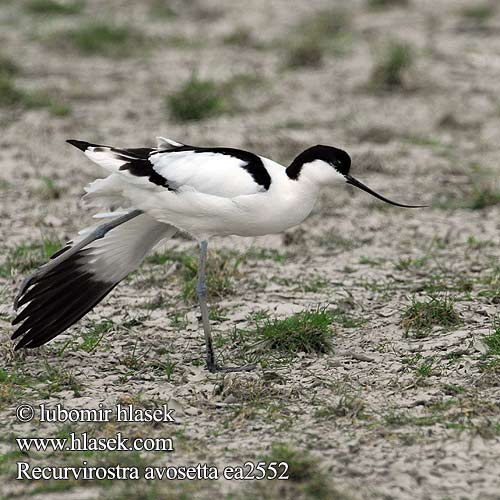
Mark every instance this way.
x=337 y=158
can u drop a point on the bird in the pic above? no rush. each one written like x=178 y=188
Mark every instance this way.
x=148 y=195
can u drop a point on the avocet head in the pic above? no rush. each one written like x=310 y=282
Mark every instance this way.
x=327 y=165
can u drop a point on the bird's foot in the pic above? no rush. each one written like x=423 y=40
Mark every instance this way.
x=215 y=368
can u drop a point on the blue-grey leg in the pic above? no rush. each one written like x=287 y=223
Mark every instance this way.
x=201 y=290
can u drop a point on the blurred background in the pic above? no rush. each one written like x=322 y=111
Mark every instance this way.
x=407 y=84
x=410 y=89
x=392 y=77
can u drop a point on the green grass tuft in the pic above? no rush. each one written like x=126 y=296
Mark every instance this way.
x=410 y=264
x=302 y=467
x=222 y=270
x=11 y=96
x=28 y=256
x=479 y=13
x=484 y=192
x=306 y=477
x=240 y=37
x=166 y=368
x=493 y=340
x=162 y=9
x=421 y=140
x=257 y=253
x=453 y=389
x=423 y=367
x=58 y=379
x=52 y=7
x=420 y=317
x=49 y=190
x=323 y=31
x=33 y=100
x=348 y=405
x=305 y=53
x=196 y=99
x=12 y=386
x=382 y=4
x=94 y=335
x=307 y=331
x=325 y=23
x=482 y=199
x=8 y=68
x=390 y=71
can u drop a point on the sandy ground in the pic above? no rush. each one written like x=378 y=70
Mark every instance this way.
x=378 y=422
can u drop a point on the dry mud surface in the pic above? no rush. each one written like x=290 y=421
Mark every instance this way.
x=388 y=413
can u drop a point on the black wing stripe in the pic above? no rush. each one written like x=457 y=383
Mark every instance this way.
x=251 y=162
x=137 y=159
x=63 y=273
x=45 y=303
x=48 y=286
x=49 y=307
x=138 y=164
x=144 y=168
x=142 y=153
x=41 y=321
x=77 y=309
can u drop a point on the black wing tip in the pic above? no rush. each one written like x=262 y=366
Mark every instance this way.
x=21 y=341
x=46 y=317
x=25 y=343
x=19 y=346
x=82 y=145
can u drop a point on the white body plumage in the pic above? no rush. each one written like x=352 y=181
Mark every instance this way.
x=211 y=194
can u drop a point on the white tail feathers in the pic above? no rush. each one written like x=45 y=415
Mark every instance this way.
x=164 y=143
x=107 y=193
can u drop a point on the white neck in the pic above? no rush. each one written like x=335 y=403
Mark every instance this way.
x=321 y=173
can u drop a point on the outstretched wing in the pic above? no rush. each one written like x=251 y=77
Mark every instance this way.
x=57 y=296
x=225 y=172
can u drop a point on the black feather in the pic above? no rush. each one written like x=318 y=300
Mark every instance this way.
x=76 y=307
x=55 y=301
x=82 y=145
x=251 y=162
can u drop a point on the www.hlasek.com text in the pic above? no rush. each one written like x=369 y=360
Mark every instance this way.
x=84 y=442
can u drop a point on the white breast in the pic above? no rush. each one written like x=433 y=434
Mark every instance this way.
x=215 y=199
